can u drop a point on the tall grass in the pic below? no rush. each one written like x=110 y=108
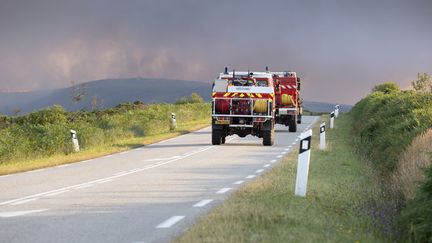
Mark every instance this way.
x=409 y=173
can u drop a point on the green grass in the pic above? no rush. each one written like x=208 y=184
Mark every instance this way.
x=26 y=164
x=266 y=210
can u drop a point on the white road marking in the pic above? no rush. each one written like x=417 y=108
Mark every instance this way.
x=259 y=171
x=20 y=213
x=273 y=161
x=283 y=152
x=223 y=190
x=161 y=159
x=202 y=203
x=266 y=165
x=238 y=182
x=293 y=143
x=103 y=179
x=24 y=201
x=56 y=193
x=287 y=149
x=84 y=186
x=170 y=222
x=125 y=152
x=250 y=176
x=61 y=166
x=120 y=173
x=135 y=170
x=279 y=156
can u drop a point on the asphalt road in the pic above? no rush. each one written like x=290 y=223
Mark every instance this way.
x=150 y=194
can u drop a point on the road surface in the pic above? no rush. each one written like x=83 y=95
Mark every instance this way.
x=149 y=194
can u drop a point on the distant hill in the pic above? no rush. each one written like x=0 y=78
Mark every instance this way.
x=324 y=107
x=111 y=92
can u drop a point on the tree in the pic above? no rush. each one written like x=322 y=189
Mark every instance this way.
x=386 y=88
x=423 y=83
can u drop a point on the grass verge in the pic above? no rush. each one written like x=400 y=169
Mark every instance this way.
x=98 y=151
x=266 y=210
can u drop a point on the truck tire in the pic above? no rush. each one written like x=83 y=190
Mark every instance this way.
x=216 y=136
x=268 y=137
x=299 y=118
x=223 y=138
x=292 y=127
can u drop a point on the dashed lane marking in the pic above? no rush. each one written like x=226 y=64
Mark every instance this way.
x=238 y=182
x=223 y=190
x=104 y=179
x=170 y=222
x=250 y=176
x=266 y=165
x=259 y=171
x=202 y=203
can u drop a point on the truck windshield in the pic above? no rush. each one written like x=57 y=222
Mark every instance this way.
x=262 y=83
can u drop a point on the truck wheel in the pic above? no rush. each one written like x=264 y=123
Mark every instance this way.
x=223 y=138
x=293 y=124
x=216 y=137
x=268 y=137
x=299 y=117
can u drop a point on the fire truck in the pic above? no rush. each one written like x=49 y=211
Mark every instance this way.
x=288 y=104
x=243 y=103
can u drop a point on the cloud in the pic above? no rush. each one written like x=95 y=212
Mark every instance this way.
x=340 y=48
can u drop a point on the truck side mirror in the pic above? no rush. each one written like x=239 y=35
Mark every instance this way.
x=298 y=83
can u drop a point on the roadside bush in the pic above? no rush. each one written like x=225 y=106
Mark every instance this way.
x=385 y=124
x=52 y=115
x=47 y=132
x=392 y=130
x=193 y=99
x=386 y=87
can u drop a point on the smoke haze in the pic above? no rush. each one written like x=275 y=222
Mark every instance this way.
x=341 y=49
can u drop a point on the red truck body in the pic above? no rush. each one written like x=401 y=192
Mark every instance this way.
x=243 y=104
x=288 y=103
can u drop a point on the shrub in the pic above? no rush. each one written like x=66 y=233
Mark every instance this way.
x=385 y=124
x=386 y=87
x=194 y=98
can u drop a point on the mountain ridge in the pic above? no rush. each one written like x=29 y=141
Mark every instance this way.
x=108 y=93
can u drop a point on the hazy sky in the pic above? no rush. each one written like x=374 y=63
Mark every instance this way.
x=339 y=48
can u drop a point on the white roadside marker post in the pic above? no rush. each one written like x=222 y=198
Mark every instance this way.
x=303 y=164
x=173 y=122
x=332 y=114
x=336 y=111
x=75 y=143
x=322 y=145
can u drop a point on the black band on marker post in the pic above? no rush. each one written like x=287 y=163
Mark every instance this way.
x=332 y=114
x=322 y=129
x=308 y=140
